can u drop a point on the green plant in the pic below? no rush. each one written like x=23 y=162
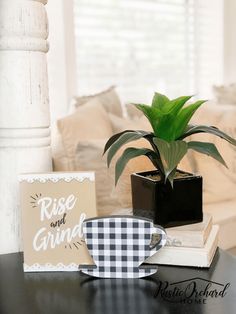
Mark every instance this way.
x=170 y=123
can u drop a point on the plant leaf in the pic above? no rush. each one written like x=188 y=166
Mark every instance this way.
x=162 y=114
x=159 y=101
x=156 y=161
x=151 y=113
x=114 y=138
x=208 y=149
x=123 y=139
x=128 y=154
x=171 y=154
x=207 y=129
x=176 y=104
x=165 y=127
x=171 y=177
x=184 y=116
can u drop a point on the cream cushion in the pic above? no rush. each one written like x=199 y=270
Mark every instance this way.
x=224 y=215
x=108 y=99
x=109 y=197
x=59 y=156
x=120 y=124
x=89 y=121
x=219 y=182
x=89 y=156
x=225 y=94
x=133 y=112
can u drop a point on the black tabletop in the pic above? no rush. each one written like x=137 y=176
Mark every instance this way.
x=171 y=290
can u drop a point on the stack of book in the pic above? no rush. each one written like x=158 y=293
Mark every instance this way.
x=189 y=245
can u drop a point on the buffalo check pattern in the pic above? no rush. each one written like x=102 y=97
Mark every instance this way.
x=119 y=245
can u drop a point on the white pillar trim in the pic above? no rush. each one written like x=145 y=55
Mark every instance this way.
x=24 y=107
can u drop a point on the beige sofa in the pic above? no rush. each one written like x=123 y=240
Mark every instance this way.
x=219 y=182
x=79 y=139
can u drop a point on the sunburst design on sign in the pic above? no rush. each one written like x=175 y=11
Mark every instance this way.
x=35 y=198
x=75 y=245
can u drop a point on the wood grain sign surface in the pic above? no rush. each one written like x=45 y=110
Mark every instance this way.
x=53 y=207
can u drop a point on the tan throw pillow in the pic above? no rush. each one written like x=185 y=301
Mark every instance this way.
x=60 y=160
x=109 y=99
x=219 y=182
x=88 y=122
x=133 y=112
x=121 y=124
x=225 y=94
x=109 y=197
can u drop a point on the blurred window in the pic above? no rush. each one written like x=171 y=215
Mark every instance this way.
x=172 y=46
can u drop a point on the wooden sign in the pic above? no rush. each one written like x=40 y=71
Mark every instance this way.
x=54 y=206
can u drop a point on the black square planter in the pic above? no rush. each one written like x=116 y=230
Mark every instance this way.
x=166 y=206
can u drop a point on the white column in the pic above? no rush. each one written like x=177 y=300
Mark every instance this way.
x=24 y=107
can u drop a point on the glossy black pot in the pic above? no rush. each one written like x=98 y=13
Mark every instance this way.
x=166 y=206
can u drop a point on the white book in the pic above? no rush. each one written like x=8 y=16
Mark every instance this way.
x=186 y=256
x=194 y=235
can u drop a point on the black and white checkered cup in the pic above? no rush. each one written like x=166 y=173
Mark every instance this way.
x=120 y=244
